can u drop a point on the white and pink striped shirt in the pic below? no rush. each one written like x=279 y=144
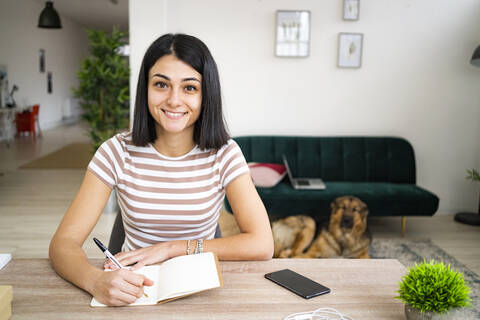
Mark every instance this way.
x=164 y=198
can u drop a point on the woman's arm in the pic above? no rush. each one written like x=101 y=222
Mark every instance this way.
x=69 y=260
x=255 y=241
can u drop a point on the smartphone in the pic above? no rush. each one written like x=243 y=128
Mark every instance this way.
x=297 y=283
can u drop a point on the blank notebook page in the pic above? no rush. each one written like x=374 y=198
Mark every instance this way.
x=188 y=274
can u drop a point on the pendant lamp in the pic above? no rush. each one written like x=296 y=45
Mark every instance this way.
x=49 y=17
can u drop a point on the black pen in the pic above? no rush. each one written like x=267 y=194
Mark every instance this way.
x=107 y=253
x=110 y=256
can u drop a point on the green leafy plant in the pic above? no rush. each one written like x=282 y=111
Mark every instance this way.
x=104 y=86
x=473 y=175
x=434 y=287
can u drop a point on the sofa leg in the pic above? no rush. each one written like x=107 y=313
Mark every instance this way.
x=404 y=225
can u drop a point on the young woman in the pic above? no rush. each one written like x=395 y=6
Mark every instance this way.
x=171 y=174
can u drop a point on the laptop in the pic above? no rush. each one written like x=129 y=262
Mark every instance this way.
x=303 y=183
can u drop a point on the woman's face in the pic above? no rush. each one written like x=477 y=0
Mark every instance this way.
x=174 y=95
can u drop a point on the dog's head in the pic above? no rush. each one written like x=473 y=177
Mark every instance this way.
x=348 y=212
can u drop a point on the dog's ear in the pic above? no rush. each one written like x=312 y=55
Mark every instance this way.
x=334 y=205
x=364 y=212
x=363 y=207
x=359 y=206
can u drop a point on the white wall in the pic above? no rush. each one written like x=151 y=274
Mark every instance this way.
x=20 y=41
x=415 y=81
x=147 y=21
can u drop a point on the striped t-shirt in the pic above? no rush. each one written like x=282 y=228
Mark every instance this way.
x=163 y=198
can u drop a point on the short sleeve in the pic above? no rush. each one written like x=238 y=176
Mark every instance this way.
x=105 y=163
x=232 y=163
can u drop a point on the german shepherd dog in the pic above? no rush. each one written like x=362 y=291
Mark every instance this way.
x=292 y=235
x=346 y=236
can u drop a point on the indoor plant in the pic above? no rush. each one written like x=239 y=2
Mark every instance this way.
x=432 y=290
x=470 y=217
x=103 y=89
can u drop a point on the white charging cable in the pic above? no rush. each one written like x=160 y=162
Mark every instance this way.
x=319 y=314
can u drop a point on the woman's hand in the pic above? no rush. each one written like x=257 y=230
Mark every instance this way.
x=119 y=287
x=141 y=257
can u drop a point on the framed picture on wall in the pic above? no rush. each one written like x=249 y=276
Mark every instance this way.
x=42 y=60
x=350 y=46
x=351 y=9
x=49 y=82
x=292 y=33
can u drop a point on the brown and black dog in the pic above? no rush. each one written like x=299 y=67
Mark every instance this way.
x=346 y=236
x=292 y=235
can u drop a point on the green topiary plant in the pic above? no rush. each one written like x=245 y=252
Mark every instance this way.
x=434 y=287
x=104 y=86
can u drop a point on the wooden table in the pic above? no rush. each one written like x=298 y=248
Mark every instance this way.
x=362 y=289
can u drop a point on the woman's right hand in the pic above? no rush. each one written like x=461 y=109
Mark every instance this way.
x=119 y=287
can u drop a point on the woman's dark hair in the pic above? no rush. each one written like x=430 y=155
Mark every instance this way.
x=210 y=128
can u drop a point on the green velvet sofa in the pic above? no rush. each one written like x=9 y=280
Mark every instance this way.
x=378 y=170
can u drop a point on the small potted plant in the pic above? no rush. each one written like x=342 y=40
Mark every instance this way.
x=470 y=217
x=432 y=290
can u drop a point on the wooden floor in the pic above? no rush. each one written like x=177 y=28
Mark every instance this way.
x=32 y=203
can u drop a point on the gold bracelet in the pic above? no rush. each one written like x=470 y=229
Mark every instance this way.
x=188 y=247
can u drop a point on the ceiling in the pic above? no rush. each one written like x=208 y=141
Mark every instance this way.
x=98 y=14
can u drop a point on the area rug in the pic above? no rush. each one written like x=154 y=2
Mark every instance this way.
x=409 y=252
x=72 y=156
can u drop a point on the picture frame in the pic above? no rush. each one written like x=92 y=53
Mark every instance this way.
x=350 y=47
x=292 y=33
x=41 y=62
x=49 y=83
x=351 y=9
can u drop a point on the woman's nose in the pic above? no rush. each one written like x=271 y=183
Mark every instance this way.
x=174 y=99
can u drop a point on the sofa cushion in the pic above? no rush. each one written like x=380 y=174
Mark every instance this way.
x=266 y=175
x=382 y=199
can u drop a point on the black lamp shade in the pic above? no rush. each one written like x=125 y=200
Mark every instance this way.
x=49 y=17
x=476 y=57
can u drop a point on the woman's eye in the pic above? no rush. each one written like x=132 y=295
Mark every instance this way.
x=190 y=88
x=160 y=84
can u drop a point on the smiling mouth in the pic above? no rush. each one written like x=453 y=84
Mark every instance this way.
x=174 y=115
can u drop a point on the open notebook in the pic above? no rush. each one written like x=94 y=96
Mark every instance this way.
x=178 y=277
x=4 y=259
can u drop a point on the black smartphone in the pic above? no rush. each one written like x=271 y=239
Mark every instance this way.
x=297 y=283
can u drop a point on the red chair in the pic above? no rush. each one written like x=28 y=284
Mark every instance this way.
x=25 y=122
x=35 y=111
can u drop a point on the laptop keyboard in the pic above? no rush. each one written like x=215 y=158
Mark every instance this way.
x=303 y=182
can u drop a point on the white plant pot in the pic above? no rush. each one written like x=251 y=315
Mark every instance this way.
x=415 y=314
x=112 y=204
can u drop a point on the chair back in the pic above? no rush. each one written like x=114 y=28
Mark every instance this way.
x=25 y=122
x=35 y=109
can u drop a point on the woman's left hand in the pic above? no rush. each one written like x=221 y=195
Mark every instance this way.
x=141 y=257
